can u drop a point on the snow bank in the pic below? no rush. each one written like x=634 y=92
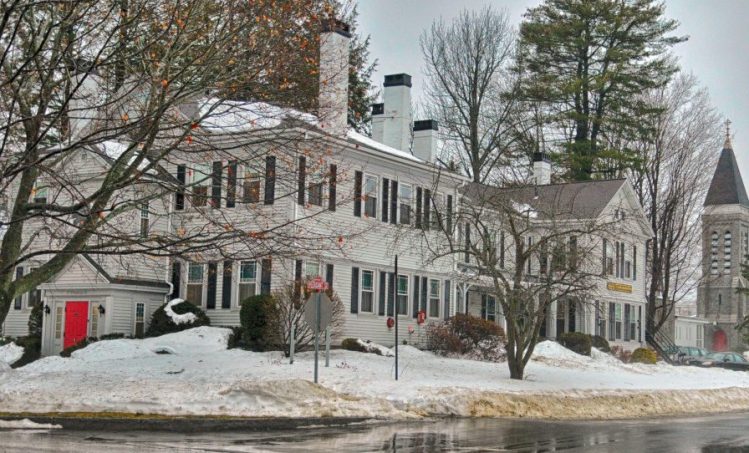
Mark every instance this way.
x=375 y=348
x=185 y=318
x=26 y=424
x=201 y=377
x=10 y=353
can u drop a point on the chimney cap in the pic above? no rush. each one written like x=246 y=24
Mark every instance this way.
x=394 y=80
x=336 y=26
x=378 y=109
x=425 y=125
x=541 y=157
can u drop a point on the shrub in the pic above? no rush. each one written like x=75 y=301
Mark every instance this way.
x=576 y=341
x=80 y=345
x=644 y=355
x=600 y=343
x=112 y=336
x=352 y=344
x=32 y=350
x=35 y=320
x=162 y=324
x=467 y=335
x=235 y=338
x=258 y=317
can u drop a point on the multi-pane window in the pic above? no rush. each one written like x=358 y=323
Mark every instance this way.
x=195 y=284
x=247 y=279
x=370 y=196
x=402 y=295
x=434 y=298
x=316 y=188
x=714 y=253
x=490 y=311
x=405 y=198
x=311 y=269
x=201 y=180
x=140 y=319
x=367 y=291
x=437 y=208
x=144 y=215
x=58 y=321
x=250 y=186
x=94 y=317
x=727 y=250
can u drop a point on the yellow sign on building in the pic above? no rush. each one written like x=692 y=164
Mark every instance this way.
x=619 y=287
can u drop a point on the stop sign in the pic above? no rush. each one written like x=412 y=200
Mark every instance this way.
x=317 y=284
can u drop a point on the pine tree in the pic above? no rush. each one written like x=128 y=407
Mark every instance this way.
x=587 y=61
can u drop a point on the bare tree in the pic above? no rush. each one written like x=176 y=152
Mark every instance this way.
x=532 y=246
x=470 y=89
x=134 y=84
x=671 y=184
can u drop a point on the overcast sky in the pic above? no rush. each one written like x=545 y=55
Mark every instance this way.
x=717 y=51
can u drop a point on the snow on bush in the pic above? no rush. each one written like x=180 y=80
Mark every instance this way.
x=185 y=318
x=375 y=348
x=10 y=353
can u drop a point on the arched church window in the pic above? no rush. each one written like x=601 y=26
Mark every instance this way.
x=727 y=250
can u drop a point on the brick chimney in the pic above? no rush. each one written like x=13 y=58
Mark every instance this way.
x=334 y=63
x=425 y=140
x=391 y=121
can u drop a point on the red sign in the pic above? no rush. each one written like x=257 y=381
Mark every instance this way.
x=421 y=317
x=390 y=323
x=317 y=284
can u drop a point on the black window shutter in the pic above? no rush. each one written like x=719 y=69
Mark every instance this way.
x=447 y=299
x=385 y=199
x=18 y=302
x=212 y=269
x=483 y=306
x=604 y=258
x=270 y=179
x=391 y=287
x=176 y=278
x=416 y=296
x=427 y=208
x=216 y=184
x=333 y=187
x=329 y=275
x=449 y=222
x=357 y=193
x=418 y=206
x=301 y=182
x=393 y=202
x=467 y=257
x=231 y=184
x=226 y=285
x=381 y=310
x=616 y=244
x=634 y=262
x=298 y=281
x=354 y=290
x=179 y=199
x=424 y=295
x=502 y=249
x=265 y=268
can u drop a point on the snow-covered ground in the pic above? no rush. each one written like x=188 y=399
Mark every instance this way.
x=9 y=354
x=191 y=372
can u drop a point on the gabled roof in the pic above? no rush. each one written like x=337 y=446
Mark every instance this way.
x=576 y=200
x=727 y=187
x=123 y=281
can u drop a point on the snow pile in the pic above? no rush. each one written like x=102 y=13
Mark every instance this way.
x=201 y=376
x=10 y=353
x=185 y=318
x=604 y=357
x=26 y=424
x=375 y=348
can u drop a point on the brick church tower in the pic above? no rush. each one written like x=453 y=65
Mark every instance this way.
x=725 y=247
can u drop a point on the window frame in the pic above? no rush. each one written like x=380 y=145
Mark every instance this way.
x=432 y=299
x=370 y=291
x=145 y=215
x=402 y=204
x=136 y=322
x=399 y=294
x=199 y=200
x=368 y=196
x=249 y=281
x=248 y=176
x=316 y=187
x=203 y=284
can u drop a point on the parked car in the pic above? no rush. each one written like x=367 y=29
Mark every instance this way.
x=730 y=360
x=685 y=355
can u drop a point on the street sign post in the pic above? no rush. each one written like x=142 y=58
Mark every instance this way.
x=318 y=314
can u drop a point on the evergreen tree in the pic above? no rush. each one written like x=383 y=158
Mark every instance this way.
x=587 y=61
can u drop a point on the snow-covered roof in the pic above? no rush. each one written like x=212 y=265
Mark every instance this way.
x=237 y=116
x=366 y=141
x=113 y=149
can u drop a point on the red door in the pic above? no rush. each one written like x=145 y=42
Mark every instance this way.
x=720 y=341
x=76 y=323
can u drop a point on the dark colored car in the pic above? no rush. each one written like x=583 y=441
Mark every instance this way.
x=685 y=355
x=729 y=360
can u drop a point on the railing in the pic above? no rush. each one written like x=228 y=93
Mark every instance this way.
x=663 y=345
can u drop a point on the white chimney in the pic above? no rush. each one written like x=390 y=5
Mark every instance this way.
x=378 y=122
x=396 y=115
x=541 y=169
x=334 y=65
x=425 y=140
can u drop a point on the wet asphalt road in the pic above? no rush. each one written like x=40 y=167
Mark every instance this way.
x=700 y=434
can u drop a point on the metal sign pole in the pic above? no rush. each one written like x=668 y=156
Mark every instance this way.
x=317 y=330
x=327 y=347
x=395 y=298
x=291 y=342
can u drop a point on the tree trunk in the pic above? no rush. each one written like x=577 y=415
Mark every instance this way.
x=517 y=367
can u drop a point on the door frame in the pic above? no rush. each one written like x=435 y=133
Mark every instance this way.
x=65 y=320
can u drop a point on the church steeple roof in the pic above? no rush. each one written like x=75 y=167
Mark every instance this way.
x=727 y=187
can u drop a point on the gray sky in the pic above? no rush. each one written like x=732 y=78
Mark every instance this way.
x=717 y=51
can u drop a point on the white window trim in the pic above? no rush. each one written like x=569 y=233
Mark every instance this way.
x=377 y=196
x=373 y=291
x=401 y=199
x=204 y=285
x=408 y=295
x=135 y=317
x=237 y=303
x=439 y=298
